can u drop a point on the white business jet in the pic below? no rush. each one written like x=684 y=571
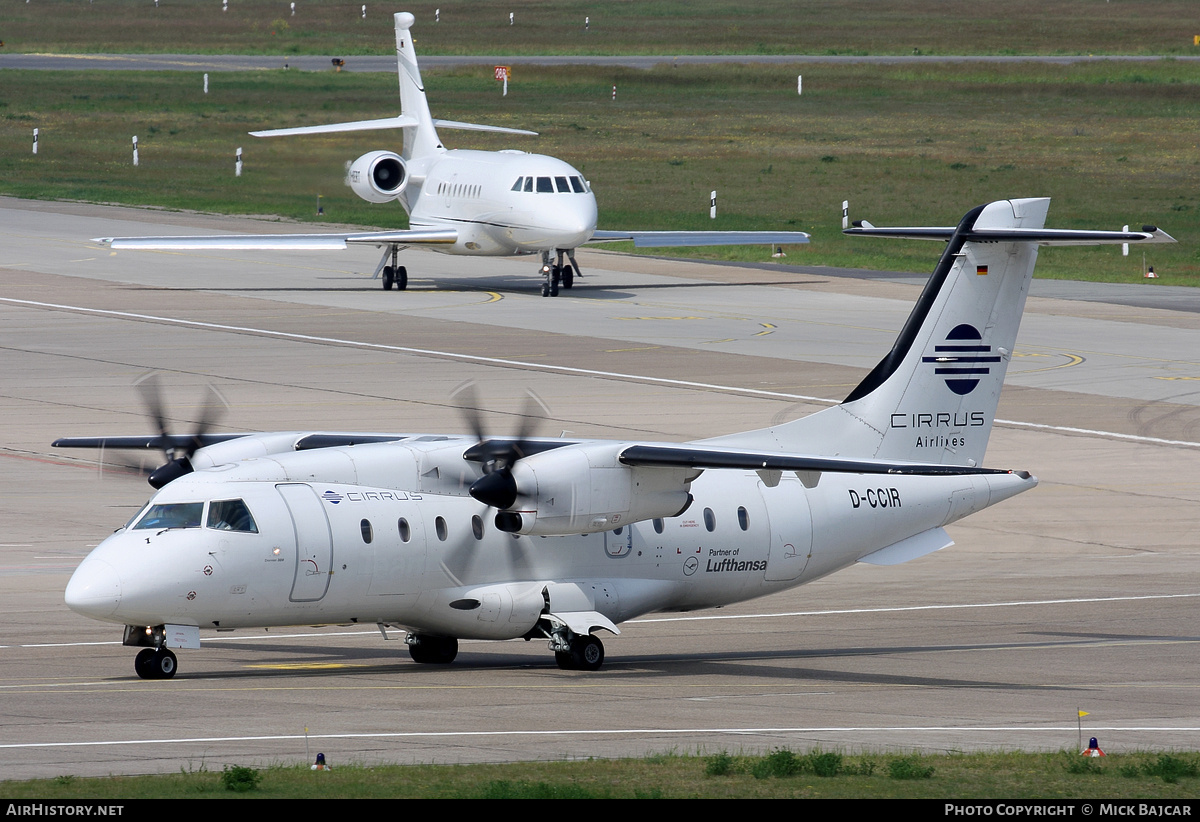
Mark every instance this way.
x=475 y=203
x=456 y=536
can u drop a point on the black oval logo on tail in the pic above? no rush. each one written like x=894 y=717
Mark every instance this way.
x=962 y=359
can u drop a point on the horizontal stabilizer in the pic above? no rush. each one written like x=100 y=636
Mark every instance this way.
x=454 y=124
x=1041 y=236
x=281 y=242
x=689 y=456
x=671 y=239
x=401 y=121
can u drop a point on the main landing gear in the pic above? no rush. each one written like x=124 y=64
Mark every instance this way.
x=577 y=652
x=432 y=650
x=155 y=663
x=559 y=273
x=393 y=274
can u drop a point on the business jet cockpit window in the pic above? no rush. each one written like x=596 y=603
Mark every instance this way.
x=171 y=515
x=546 y=185
x=231 y=515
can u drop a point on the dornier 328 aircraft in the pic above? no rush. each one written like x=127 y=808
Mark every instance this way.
x=474 y=203
x=463 y=536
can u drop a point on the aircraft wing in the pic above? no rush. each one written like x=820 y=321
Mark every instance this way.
x=672 y=239
x=694 y=456
x=148 y=443
x=282 y=242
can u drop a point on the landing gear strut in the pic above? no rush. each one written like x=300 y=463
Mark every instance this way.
x=155 y=663
x=393 y=274
x=432 y=650
x=558 y=273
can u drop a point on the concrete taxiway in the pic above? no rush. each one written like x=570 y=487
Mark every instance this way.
x=1080 y=595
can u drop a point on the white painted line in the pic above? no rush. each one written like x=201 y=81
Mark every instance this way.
x=1017 y=603
x=562 y=369
x=972 y=729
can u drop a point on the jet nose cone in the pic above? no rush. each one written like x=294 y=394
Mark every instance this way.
x=94 y=589
x=578 y=221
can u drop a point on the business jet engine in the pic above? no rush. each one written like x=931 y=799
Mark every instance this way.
x=581 y=489
x=378 y=176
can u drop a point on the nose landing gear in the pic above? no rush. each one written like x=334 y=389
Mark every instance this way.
x=559 y=273
x=155 y=663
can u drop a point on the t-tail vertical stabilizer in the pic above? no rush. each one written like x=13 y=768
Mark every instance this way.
x=420 y=129
x=420 y=138
x=933 y=398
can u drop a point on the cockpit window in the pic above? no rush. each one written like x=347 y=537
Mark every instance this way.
x=563 y=186
x=171 y=515
x=517 y=185
x=577 y=185
x=529 y=184
x=231 y=515
x=545 y=185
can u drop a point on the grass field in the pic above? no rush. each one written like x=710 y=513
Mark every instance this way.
x=1111 y=144
x=780 y=774
x=1160 y=27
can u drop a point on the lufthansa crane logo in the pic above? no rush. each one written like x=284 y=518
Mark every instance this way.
x=963 y=359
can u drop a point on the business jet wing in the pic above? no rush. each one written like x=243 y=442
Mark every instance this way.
x=283 y=242
x=675 y=239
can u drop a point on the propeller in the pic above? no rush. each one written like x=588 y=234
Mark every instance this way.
x=497 y=487
x=212 y=407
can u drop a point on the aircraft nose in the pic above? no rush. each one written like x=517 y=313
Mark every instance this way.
x=94 y=590
x=578 y=220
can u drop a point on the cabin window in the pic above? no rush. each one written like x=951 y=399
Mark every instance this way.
x=563 y=186
x=231 y=515
x=405 y=530
x=529 y=184
x=517 y=185
x=577 y=185
x=439 y=525
x=545 y=185
x=743 y=518
x=477 y=526
x=710 y=519
x=368 y=533
x=171 y=515
x=658 y=526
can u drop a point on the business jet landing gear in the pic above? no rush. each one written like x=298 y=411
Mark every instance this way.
x=559 y=273
x=577 y=652
x=155 y=663
x=393 y=274
x=432 y=650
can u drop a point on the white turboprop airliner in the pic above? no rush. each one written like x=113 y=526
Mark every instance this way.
x=476 y=203
x=453 y=536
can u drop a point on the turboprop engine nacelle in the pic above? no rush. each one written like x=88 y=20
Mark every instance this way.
x=586 y=489
x=378 y=177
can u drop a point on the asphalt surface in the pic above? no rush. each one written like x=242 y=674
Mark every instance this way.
x=1080 y=595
